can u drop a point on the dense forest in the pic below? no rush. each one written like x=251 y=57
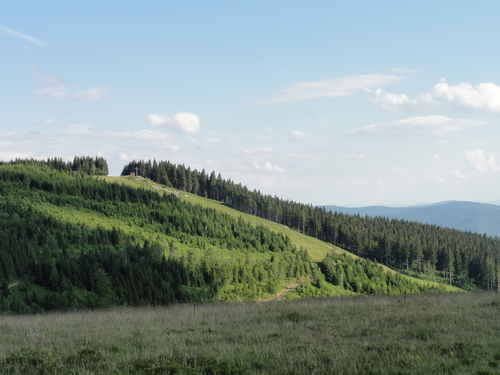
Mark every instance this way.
x=464 y=259
x=97 y=166
x=72 y=240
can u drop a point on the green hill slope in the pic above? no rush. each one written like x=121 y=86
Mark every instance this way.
x=317 y=249
x=467 y=260
x=70 y=241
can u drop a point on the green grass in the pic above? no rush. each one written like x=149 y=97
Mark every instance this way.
x=453 y=333
x=317 y=249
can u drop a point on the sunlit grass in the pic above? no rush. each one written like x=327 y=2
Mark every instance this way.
x=317 y=249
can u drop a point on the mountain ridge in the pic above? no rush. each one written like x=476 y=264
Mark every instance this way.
x=482 y=218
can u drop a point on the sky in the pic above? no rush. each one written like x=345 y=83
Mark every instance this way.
x=353 y=103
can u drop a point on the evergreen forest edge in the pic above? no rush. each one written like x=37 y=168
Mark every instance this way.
x=159 y=250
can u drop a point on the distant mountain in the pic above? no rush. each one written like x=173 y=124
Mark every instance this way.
x=480 y=218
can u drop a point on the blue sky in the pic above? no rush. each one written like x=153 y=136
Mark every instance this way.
x=347 y=103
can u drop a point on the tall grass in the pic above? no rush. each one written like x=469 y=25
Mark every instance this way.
x=422 y=334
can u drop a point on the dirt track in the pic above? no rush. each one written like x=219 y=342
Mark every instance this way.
x=288 y=287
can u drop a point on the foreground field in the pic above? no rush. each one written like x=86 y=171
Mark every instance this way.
x=453 y=333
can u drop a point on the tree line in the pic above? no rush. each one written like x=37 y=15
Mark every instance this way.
x=87 y=165
x=463 y=259
x=141 y=247
x=60 y=264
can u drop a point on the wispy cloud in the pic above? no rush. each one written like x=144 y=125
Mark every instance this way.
x=8 y=31
x=330 y=88
x=251 y=151
x=297 y=134
x=56 y=88
x=419 y=125
x=186 y=122
x=50 y=121
x=352 y=156
x=481 y=161
x=401 y=102
x=484 y=96
x=148 y=135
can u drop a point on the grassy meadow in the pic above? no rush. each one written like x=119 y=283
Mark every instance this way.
x=453 y=333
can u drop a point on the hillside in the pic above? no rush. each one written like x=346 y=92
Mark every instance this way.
x=318 y=250
x=479 y=218
x=79 y=241
x=463 y=259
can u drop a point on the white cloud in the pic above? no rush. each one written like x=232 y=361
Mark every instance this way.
x=80 y=129
x=419 y=125
x=144 y=134
x=213 y=140
x=330 y=88
x=186 y=122
x=8 y=31
x=298 y=134
x=157 y=120
x=440 y=179
x=56 y=88
x=63 y=92
x=13 y=155
x=268 y=167
x=458 y=174
x=484 y=96
x=401 y=102
x=50 y=121
x=94 y=93
x=482 y=162
x=272 y=168
x=124 y=156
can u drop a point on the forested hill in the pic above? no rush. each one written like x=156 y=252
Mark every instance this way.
x=70 y=240
x=463 y=258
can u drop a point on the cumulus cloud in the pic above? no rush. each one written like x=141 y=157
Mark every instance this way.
x=484 y=96
x=8 y=31
x=481 y=161
x=418 y=125
x=186 y=122
x=56 y=88
x=330 y=88
x=401 y=102
x=268 y=167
